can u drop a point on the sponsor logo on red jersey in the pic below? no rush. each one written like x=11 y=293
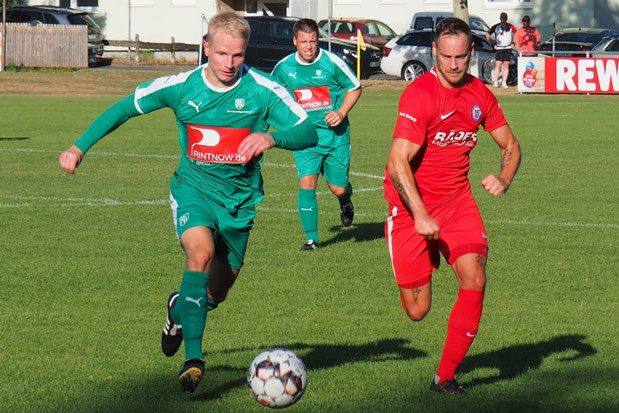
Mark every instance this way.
x=313 y=98
x=460 y=138
x=215 y=144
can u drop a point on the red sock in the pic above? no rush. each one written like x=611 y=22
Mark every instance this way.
x=461 y=330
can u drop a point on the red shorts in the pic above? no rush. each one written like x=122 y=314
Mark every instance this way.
x=413 y=258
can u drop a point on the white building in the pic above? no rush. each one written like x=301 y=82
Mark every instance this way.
x=185 y=20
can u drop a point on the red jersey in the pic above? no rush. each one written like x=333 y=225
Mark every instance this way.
x=527 y=38
x=444 y=122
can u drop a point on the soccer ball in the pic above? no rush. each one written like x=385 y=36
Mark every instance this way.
x=277 y=378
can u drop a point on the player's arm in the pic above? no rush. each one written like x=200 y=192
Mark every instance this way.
x=108 y=121
x=510 y=161
x=334 y=118
x=300 y=136
x=402 y=153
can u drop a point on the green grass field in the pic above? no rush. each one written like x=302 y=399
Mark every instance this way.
x=87 y=263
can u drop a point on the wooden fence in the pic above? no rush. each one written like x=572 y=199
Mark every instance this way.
x=46 y=45
x=139 y=45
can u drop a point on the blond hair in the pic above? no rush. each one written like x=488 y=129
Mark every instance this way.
x=229 y=22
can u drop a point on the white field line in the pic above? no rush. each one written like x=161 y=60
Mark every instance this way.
x=72 y=201
x=141 y=155
x=110 y=202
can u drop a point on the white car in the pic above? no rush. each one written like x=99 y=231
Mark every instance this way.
x=409 y=55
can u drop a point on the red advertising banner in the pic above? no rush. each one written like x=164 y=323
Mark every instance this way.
x=581 y=75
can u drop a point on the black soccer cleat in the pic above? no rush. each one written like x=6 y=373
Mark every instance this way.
x=447 y=387
x=347 y=213
x=190 y=375
x=172 y=335
x=309 y=245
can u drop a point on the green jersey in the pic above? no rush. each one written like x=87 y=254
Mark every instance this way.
x=319 y=87
x=211 y=123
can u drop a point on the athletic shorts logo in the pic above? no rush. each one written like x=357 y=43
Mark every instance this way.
x=313 y=98
x=215 y=144
x=183 y=219
x=476 y=113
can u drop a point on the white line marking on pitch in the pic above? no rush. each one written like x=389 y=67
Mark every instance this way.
x=138 y=155
x=73 y=201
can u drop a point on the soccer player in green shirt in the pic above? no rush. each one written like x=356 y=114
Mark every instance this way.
x=327 y=89
x=223 y=110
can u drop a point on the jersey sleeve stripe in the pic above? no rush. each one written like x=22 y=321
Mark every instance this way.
x=345 y=68
x=282 y=93
x=158 y=84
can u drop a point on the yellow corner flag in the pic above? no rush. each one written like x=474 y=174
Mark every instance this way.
x=360 y=46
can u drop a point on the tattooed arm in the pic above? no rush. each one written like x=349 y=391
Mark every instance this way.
x=398 y=166
x=510 y=161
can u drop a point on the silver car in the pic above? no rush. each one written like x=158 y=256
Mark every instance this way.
x=409 y=55
x=608 y=47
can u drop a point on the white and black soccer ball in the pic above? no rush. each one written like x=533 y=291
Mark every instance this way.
x=277 y=378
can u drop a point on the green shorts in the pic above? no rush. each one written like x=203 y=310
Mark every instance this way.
x=190 y=208
x=332 y=163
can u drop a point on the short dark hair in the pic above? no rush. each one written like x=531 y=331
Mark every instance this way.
x=305 y=25
x=453 y=26
x=503 y=15
x=526 y=18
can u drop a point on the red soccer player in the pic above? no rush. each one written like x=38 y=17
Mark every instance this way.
x=431 y=207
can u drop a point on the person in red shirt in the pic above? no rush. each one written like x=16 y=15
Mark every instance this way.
x=431 y=207
x=527 y=38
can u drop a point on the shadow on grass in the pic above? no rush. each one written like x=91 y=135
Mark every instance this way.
x=318 y=356
x=358 y=232
x=16 y=138
x=515 y=360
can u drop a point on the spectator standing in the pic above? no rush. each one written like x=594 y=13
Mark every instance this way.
x=527 y=38
x=503 y=43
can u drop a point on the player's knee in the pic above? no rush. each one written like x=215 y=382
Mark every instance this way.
x=338 y=191
x=199 y=259
x=475 y=282
x=416 y=313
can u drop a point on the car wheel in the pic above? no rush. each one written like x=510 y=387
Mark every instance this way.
x=412 y=70
x=487 y=69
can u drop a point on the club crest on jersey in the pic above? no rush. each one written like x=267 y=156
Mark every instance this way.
x=239 y=103
x=183 y=219
x=476 y=113
x=318 y=72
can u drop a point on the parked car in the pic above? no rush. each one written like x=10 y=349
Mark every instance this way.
x=271 y=40
x=576 y=40
x=60 y=15
x=608 y=47
x=430 y=19
x=374 y=32
x=410 y=55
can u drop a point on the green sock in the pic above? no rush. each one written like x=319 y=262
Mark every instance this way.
x=347 y=195
x=308 y=212
x=190 y=311
x=211 y=305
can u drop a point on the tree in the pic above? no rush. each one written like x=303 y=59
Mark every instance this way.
x=461 y=10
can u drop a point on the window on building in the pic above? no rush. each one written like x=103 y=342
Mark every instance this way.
x=513 y=4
